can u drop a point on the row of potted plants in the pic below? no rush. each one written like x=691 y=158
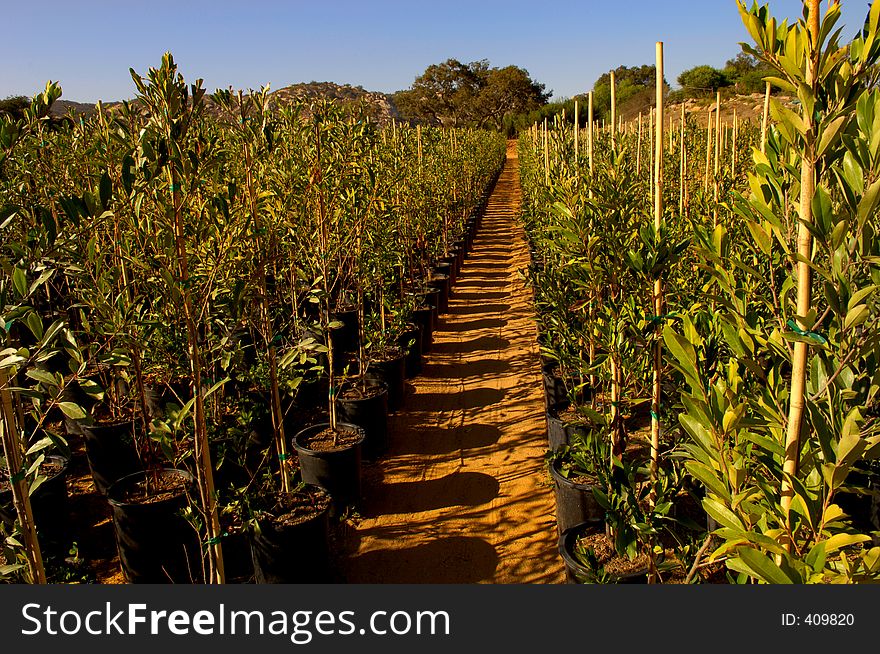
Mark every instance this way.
x=755 y=362
x=219 y=296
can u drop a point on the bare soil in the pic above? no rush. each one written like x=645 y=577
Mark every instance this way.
x=607 y=557
x=159 y=489
x=462 y=495
x=297 y=508
x=328 y=439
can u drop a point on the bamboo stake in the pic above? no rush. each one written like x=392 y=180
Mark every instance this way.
x=681 y=166
x=708 y=149
x=717 y=155
x=546 y=155
x=205 y=469
x=12 y=450
x=651 y=147
x=639 y=148
x=419 y=144
x=658 y=283
x=577 y=130
x=613 y=110
x=590 y=135
x=733 y=146
x=791 y=459
x=765 y=119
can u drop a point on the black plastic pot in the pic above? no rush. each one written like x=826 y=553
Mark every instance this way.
x=392 y=373
x=237 y=560
x=575 y=503
x=155 y=543
x=411 y=342
x=432 y=297
x=445 y=268
x=441 y=282
x=577 y=573
x=424 y=318
x=452 y=261
x=313 y=393
x=458 y=253
x=337 y=471
x=345 y=338
x=557 y=435
x=555 y=394
x=111 y=452
x=371 y=415
x=49 y=507
x=293 y=554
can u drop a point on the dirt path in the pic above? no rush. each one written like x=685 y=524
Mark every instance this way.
x=462 y=495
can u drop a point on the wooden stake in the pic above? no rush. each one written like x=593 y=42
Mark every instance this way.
x=717 y=154
x=577 y=130
x=658 y=282
x=708 y=150
x=12 y=450
x=419 y=143
x=766 y=118
x=682 y=171
x=651 y=148
x=799 y=364
x=546 y=154
x=590 y=135
x=733 y=146
x=639 y=148
x=613 y=109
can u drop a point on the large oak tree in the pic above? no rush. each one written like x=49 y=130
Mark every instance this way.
x=454 y=94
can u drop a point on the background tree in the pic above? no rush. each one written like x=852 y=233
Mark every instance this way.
x=635 y=91
x=747 y=73
x=453 y=94
x=14 y=106
x=702 y=81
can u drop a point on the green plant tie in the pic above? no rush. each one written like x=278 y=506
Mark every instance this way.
x=216 y=539
x=17 y=477
x=658 y=319
x=654 y=415
x=333 y=392
x=173 y=187
x=276 y=339
x=813 y=336
x=284 y=456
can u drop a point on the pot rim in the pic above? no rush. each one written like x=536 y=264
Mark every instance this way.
x=362 y=435
x=119 y=483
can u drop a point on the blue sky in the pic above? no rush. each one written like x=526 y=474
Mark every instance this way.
x=89 y=45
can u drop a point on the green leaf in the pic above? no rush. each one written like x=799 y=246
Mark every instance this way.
x=72 y=410
x=19 y=282
x=859 y=296
x=709 y=479
x=868 y=203
x=723 y=515
x=838 y=541
x=42 y=376
x=105 y=191
x=856 y=316
x=762 y=566
x=830 y=134
x=35 y=325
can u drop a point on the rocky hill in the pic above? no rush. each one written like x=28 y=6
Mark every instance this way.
x=378 y=105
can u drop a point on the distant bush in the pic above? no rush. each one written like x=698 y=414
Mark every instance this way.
x=702 y=81
x=14 y=105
